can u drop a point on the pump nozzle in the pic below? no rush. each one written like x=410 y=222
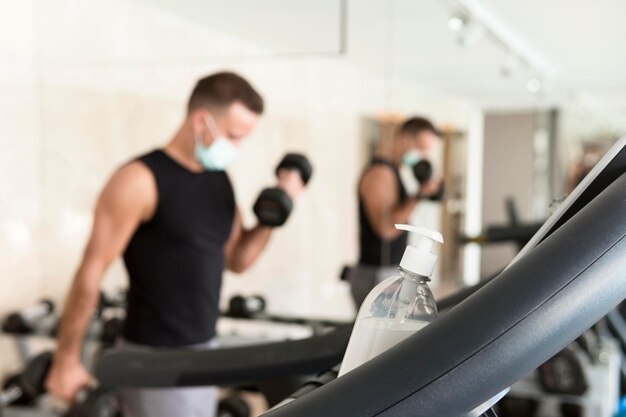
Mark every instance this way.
x=419 y=259
x=431 y=234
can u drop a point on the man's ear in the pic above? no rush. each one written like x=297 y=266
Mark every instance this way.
x=198 y=120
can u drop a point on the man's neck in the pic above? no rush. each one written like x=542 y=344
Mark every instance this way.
x=390 y=155
x=181 y=148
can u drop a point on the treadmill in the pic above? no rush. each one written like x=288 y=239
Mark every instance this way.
x=568 y=277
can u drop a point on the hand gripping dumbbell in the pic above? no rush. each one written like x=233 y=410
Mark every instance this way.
x=423 y=171
x=26 y=387
x=94 y=402
x=274 y=205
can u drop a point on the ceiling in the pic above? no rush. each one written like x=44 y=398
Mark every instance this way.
x=577 y=45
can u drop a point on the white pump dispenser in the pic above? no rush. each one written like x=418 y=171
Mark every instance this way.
x=397 y=307
x=420 y=259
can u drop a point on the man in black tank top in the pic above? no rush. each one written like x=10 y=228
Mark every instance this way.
x=384 y=202
x=171 y=213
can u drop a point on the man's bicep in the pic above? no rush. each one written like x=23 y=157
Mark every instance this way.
x=378 y=197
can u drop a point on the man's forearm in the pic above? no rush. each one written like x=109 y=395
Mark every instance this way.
x=249 y=247
x=79 y=307
x=399 y=215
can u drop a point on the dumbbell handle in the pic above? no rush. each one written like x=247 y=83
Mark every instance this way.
x=37 y=312
x=93 y=402
x=82 y=395
x=10 y=395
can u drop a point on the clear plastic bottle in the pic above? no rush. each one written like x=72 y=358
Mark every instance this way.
x=397 y=307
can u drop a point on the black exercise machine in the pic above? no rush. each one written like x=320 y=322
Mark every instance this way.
x=569 y=276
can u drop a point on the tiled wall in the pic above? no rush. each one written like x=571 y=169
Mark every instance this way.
x=72 y=110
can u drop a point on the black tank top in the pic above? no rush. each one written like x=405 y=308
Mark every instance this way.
x=374 y=250
x=175 y=261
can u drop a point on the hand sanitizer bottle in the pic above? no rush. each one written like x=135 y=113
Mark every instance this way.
x=397 y=307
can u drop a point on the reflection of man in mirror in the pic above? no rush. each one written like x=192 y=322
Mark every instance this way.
x=592 y=153
x=384 y=202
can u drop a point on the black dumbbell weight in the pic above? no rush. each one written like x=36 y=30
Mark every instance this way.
x=237 y=307
x=111 y=330
x=25 y=387
x=572 y=410
x=511 y=406
x=245 y=307
x=94 y=403
x=274 y=205
x=106 y=301
x=563 y=374
x=25 y=321
x=423 y=171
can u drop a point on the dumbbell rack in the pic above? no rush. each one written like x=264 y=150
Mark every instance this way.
x=600 y=399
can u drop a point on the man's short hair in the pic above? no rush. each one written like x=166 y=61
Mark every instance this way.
x=223 y=89
x=415 y=125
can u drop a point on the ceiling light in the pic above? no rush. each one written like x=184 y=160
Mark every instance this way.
x=471 y=34
x=533 y=85
x=456 y=22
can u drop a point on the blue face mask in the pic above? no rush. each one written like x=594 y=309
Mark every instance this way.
x=219 y=155
x=411 y=158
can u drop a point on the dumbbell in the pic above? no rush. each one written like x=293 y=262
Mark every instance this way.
x=116 y=300
x=274 y=205
x=111 y=329
x=94 y=403
x=25 y=321
x=245 y=307
x=511 y=406
x=572 y=410
x=233 y=406
x=563 y=374
x=24 y=388
x=423 y=171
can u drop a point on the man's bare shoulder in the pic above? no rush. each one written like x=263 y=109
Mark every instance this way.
x=131 y=186
x=377 y=176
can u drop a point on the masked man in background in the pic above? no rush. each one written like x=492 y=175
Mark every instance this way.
x=384 y=202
